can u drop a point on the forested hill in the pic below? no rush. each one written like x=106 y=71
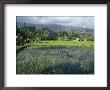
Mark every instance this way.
x=53 y=32
x=58 y=28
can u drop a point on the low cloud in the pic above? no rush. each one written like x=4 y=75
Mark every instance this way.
x=85 y=21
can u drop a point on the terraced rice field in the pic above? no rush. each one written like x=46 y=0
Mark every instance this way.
x=42 y=58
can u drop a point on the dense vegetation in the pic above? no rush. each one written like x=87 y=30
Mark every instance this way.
x=55 y=60
x=80 y=44
x=54 y=49
x=27 y=33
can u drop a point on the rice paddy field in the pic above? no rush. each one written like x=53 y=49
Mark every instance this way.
x=81 y=44
x=56 y=57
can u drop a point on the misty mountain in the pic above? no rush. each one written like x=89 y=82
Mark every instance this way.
x=58 y=28
x=54 y=29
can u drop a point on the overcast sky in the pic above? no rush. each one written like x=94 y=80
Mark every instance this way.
x=86 y=21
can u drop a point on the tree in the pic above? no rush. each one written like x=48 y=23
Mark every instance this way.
x=62 y=35
x=46 y=35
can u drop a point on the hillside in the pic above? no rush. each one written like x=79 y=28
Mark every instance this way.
x=54 y=29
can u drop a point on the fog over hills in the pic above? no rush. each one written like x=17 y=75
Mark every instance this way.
x=56 y=28
x=74 y=21
x=83 y=26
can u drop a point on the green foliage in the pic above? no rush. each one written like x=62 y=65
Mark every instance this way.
x=55 y=60
x=41 y=50
x=81 y=44
x=46 y=35
x=26 y=34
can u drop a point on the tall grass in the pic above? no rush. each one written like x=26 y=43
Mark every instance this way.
x=55 y=60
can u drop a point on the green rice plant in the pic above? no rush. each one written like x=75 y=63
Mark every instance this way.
x=55 y=60
x=81 y=44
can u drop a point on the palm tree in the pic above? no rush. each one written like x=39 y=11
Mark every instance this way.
x=46 y=34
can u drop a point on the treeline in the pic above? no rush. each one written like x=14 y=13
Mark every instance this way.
x=26 y=34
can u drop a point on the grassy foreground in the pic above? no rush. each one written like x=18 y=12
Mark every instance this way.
x=56 y=57
x=81 y=44
x=55 y=60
